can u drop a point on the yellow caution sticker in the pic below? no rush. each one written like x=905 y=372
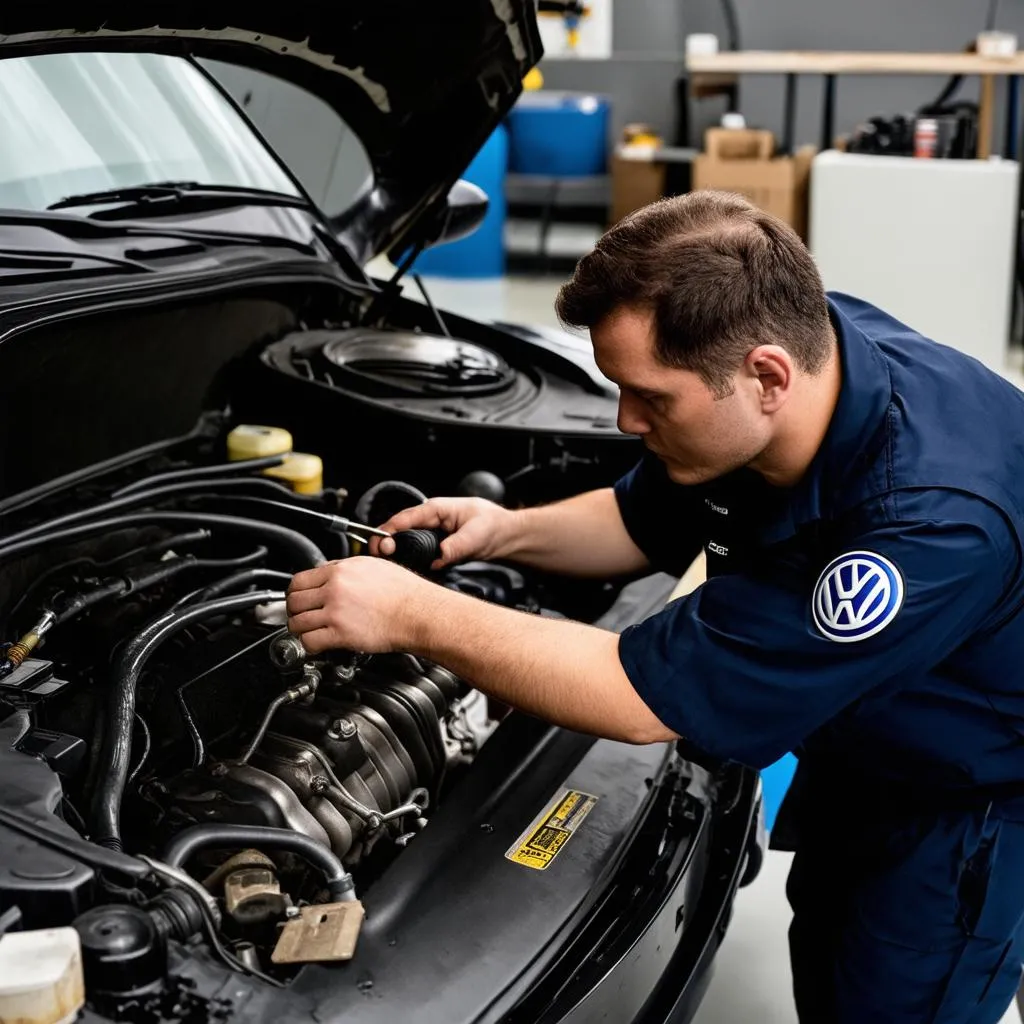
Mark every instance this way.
x=548 y=833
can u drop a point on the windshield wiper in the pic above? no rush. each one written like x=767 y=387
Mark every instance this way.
x=58 y=261
x=175 y=197
x=73 y=225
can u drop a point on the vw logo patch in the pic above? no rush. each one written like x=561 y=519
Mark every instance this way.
x=857 y=596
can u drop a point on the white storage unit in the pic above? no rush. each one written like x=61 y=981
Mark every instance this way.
x=929 y=241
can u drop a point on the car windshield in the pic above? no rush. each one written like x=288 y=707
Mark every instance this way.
x=86 y=122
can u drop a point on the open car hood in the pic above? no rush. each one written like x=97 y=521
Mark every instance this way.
x=422 y=84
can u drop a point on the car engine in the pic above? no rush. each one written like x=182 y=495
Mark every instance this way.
x=175 y=752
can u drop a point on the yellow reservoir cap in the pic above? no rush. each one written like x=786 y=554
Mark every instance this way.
x=302 y=472
x=254 y=441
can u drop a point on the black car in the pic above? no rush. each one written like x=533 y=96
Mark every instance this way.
x=231 y=830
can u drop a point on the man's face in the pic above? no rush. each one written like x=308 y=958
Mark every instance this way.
x=698 y=436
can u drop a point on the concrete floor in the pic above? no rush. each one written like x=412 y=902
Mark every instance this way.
x=752 y=980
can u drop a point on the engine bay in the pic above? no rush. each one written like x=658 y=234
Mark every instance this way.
x=192 y=777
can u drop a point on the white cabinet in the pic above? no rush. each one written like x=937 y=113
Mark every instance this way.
x=929 y=241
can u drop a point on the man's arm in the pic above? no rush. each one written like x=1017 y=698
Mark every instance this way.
x=566 y=672
x=581 y=536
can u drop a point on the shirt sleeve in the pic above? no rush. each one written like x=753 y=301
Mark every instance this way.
x=660 y=516
x=748 y=667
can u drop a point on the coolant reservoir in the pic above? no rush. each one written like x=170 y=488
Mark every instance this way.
x=41 y=976
x=252 y=441
x=302 y=472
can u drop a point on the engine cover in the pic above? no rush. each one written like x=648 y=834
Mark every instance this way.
x=527 y=405
x=362 y=759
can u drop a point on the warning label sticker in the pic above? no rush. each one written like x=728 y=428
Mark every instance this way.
x=538 y=846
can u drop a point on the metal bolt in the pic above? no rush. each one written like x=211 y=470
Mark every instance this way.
x=342 y=728
x=288 y=652
x=319 y=783
x=218 y=769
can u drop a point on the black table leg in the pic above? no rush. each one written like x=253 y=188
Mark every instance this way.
x=829 y=119
x=1012 y=116
x=789 y=119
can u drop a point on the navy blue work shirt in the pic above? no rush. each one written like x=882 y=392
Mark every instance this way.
x=872 y=615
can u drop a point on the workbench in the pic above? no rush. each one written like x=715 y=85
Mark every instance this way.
x=832 y=64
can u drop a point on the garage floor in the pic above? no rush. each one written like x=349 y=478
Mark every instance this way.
x=752 y=977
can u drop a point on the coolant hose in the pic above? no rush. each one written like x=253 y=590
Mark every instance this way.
x=188 y=842
x=244 y=578
x=239 y=468
x=115 y=754
x=365 y=504
x=306 y=553
x=156 y=495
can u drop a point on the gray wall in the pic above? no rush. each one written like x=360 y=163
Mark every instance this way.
x=649 y=41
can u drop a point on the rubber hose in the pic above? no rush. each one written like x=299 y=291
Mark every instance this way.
x=201 y=472
x=365 y=503
x=245 y=578
x=143 y=577
x=307 y=554
x=115 y=755
x=73 y=846
x=189 y=841
x=222 y=586
x=154 y=496
x=323 y=520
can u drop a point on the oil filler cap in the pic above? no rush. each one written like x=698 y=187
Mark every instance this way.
x=122 y=951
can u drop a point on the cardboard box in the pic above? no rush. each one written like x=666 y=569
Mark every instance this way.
x=779 y=185
x=635 y=183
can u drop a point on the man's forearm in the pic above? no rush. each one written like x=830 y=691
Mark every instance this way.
x=565 y=672
x=581 y=536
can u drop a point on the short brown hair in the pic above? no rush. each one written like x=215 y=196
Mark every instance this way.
x=719 y=275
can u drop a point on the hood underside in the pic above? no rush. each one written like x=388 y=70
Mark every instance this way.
x=422 y=84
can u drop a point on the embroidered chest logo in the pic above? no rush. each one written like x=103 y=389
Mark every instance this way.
x=720 y=509
x=717 y=549
x=857 y=596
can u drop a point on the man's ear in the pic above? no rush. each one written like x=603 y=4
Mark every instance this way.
x=772 y=367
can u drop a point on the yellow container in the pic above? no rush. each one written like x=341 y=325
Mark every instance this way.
x=302 y=472
x=254 y=441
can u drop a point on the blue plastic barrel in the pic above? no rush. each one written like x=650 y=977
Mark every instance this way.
x=481 y=254
x=559 y=134
x=775 y=780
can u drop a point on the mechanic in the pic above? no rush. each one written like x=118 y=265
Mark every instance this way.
x=858 y=491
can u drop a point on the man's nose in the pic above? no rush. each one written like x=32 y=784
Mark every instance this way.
x=630 y=419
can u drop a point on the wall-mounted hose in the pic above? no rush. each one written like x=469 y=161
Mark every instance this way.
x=117 y=739
x=190 y=841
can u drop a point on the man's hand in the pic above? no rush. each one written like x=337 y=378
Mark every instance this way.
x=359 y=604
x=560 y=670
x=478 y=529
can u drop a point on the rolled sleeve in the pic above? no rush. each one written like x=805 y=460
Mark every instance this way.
x=742 y=669
x=659 y=516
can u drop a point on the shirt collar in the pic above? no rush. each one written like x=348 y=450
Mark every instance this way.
x=853 y=433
